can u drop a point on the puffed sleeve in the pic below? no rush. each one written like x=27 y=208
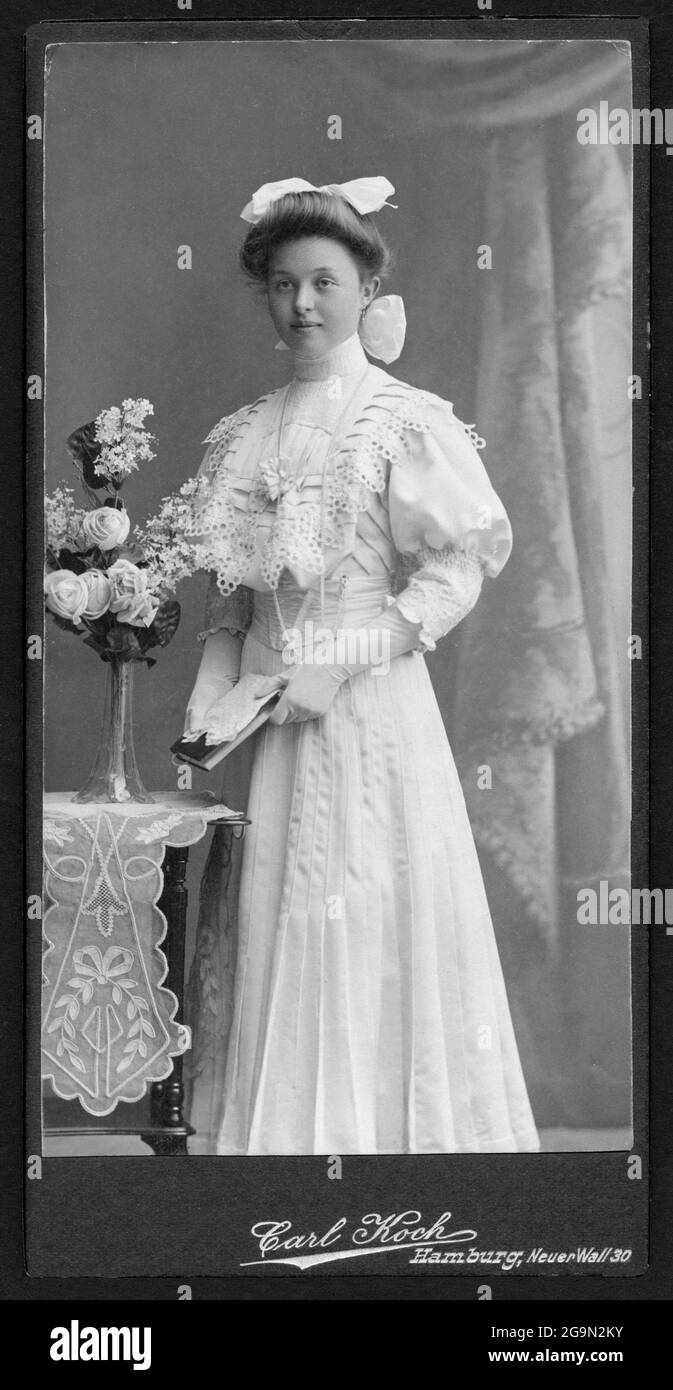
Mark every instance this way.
x=446 y=521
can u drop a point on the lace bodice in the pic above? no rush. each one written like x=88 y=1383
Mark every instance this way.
x=345 y=471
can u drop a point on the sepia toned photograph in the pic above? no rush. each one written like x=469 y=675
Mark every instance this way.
x=337 y=563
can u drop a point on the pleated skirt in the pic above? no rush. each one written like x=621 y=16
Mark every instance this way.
x=369 y=1010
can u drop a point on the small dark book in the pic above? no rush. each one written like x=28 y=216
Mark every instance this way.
x=207 y=755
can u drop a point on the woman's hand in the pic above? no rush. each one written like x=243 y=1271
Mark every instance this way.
x=202 y=698
x=218 y=673
x=308 y=694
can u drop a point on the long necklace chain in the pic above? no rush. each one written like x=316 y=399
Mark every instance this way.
x=323 y=502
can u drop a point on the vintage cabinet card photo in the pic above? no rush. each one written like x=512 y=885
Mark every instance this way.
x=337 y=531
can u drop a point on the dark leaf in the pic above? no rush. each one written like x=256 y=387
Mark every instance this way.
x=73 y=560
x=100 y=626
x=84 y=449
x=95 y=559
x=122 y=640
x=164 y=627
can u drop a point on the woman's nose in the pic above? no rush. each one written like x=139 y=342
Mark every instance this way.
x=303 y=299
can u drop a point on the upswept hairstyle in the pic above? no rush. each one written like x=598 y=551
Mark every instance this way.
x=308 y=214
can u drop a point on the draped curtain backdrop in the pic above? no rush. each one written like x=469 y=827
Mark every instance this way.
x=480 y=139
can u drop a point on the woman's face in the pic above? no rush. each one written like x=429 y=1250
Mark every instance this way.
x=316 y=294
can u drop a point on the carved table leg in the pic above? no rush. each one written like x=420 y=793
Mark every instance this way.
x=157 y=1101
x=167 y=1096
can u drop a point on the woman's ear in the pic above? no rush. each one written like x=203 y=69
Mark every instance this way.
x=370 y=289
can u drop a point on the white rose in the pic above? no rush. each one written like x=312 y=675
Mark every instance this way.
x=100 y=593
x=106 y=527
x=66 y=594
x=130 y=599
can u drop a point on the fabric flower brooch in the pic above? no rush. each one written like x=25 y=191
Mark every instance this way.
x=274 y=484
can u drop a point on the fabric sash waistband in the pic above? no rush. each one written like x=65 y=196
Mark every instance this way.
x=350 y=601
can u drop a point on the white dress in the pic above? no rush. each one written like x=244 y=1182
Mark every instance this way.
x=368 y=1012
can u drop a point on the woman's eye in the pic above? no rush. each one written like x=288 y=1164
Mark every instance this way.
x=324 y=280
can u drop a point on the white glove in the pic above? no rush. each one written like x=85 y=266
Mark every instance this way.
x=313 y=684
x=307 y=695
x=218 y=674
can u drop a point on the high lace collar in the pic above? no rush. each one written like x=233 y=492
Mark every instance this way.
x=348 y=356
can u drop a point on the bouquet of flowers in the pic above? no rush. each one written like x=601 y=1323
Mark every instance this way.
x=98 y=582
x=113 y=586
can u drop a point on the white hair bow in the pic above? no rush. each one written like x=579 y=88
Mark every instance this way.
x=383 y=328
x=365 y=195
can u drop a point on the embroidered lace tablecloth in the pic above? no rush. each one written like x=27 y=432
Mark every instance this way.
x=108 y=1022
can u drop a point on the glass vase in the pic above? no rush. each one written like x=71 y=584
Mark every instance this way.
x=114 y=775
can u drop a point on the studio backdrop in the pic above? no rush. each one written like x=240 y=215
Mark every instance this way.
x=512 y=252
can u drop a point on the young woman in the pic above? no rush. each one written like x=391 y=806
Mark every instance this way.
x=367 y=1012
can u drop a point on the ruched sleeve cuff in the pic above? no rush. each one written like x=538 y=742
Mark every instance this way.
x=440 y=593
x=440 y=494
x=230 y=611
